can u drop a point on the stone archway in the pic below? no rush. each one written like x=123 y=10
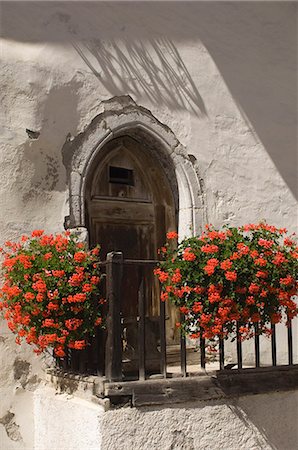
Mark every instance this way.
x=127 y=136
x=121 y=116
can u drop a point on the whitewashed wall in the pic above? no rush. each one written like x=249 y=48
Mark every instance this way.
x=221 y=76
x=64 y=422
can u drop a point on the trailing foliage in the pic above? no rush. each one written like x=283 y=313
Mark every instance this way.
x=50 y=291
x=246 y=275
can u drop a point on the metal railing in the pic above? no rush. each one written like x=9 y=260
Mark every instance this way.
x=113 y=362
x=104 y=355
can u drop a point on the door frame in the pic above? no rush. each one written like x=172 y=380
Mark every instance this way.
x=125 y=117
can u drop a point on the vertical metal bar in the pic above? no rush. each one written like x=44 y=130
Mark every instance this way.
x=202 y=350
x=97 y=355
x=90 y=350
x=257 y=346
x=67 y=358
x=74 y=361
x=101 y=334
x=239 y=348
x=273 y=344
x=141 y=330
x=100 y=338
x=113 y=363
x=82 y=361
x=290 y=341
x=65 y=361
x=221 y=353
x=163 y=349
x=71 y=360
x=182 y=350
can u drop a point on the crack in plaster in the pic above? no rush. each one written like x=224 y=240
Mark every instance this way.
x=11 y=428
x=121 y=115
x=119 y=106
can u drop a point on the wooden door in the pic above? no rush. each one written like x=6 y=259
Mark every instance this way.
x=130 y=207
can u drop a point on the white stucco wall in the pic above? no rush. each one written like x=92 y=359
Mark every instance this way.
x=249 y=422
x=221 y=76
x=63 y=422
x=240 y=424
x=20 y=375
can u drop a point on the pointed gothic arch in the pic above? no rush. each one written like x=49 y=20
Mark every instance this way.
x=122 y=117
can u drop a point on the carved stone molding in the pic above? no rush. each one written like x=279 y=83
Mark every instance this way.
x=122 y=116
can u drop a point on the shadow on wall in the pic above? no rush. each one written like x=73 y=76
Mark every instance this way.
x=274 y=415
x=253 y=44
x=255 y=49
x=44 y=150
x=155 y=70
x=264 y=421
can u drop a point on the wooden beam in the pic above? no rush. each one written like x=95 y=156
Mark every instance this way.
x=258 y=380
x=165 y=391
x=226 y=383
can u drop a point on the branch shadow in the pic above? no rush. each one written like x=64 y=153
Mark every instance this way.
x=252 y=44
x=264 y=412
x=154 y=70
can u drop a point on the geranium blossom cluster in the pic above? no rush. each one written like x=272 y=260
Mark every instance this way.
x=50 y=292
x=246 y=275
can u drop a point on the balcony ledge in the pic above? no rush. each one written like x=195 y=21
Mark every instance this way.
x=220 y=384
x=213 y=385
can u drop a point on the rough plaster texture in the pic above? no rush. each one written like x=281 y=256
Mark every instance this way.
x=241 y=424
x=63 y=422
x=238 y=124
x=249 y=422
x=221 y=76
x=20 y=375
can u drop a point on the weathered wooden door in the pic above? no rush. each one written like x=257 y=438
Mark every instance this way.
x=130 y=207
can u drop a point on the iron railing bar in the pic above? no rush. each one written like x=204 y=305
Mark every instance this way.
x=131 y=261
x=290 y=342
x=141 y=330
x=273 y=344
x=182 y=350
x=99 y=345
x=202 y=350
x=72 y=360
x=141 y=261
x=75 y=360
x=65 y=361
x=82 y=360
x=239 y=347
x=163 y=348
x=221 y=353
x=257 y=346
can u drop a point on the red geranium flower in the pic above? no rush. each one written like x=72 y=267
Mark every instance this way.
x=46 y=297
x=255 y=284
